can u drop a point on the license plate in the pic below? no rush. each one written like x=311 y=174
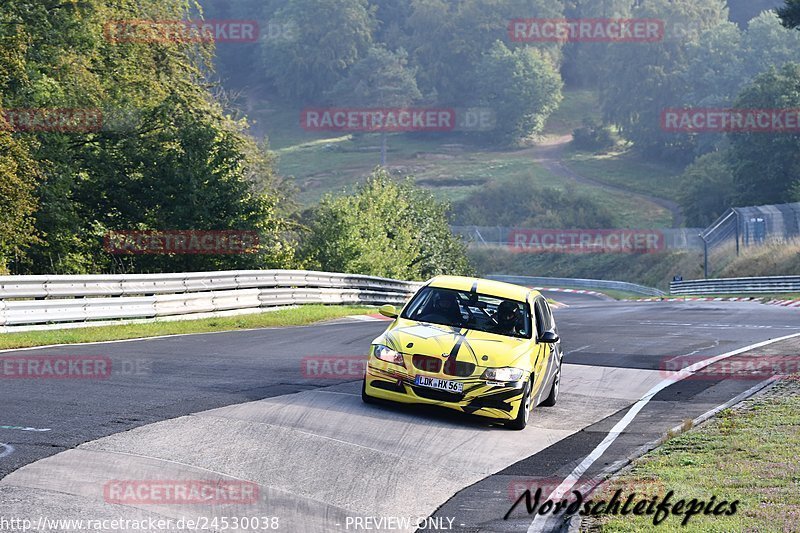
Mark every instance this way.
x=439 y=384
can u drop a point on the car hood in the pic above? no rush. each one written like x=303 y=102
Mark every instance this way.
x=481 y=348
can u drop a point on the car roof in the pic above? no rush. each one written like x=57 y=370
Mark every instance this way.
x=487 y=287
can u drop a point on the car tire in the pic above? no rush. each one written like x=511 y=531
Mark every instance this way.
x=524 y=413
x=552 y=398
x=364 y=396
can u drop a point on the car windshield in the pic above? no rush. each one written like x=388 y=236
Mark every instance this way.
x=461 y=309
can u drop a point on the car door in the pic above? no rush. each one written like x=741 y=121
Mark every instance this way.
x=541 y=350
x=547 y=363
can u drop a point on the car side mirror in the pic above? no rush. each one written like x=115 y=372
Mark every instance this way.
x=388 y=311
x=549 y=337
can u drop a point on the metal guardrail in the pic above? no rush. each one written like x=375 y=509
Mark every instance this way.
x=766 y=285
x=65 y=299
x=569 y=283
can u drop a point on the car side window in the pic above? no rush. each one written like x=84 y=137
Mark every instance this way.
x=541 y=320
x=551 y=324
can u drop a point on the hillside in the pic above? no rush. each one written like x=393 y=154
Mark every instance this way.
x=455 y=166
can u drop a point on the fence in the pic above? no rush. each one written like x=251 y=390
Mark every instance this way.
x=494 y=236
x=65 y=299
x=768 y=285
x=742 y=227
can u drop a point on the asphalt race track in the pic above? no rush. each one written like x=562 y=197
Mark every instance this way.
x=249 y=406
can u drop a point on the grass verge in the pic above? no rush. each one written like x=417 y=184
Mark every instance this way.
x=622 y=295
x=451 y=165
x=298 y=316
x=779 y=259
x=748 y=453
x=625 y=169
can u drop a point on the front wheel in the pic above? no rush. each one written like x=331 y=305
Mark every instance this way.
x=553 y=397
x=364 y=397
x=524 y=413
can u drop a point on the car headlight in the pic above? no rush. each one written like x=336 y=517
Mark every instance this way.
x=503 y=374
x=384 y=353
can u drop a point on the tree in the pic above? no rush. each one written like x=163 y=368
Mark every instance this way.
x=332 y=35
x=19 y=175
x=742 y=11
x=392 y=17
x=234 y=61
x=584 y=62
x=430 y=23
x=724 y=58
x=381 y=80
x=449 y=38
x=707 y=189
x=790 y=14
x=177 y=161
x=716 y=68
x=440 y=252
x=206 y=180
x=521 y=86
x=766 y=165
x=768 y=43
x=644 y=79
x=385 y=228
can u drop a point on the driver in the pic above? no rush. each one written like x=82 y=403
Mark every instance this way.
x=507 y=317
x=445 y=305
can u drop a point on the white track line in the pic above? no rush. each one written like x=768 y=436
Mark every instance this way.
x=23 y=428
x=7 y=450
x=616 y=431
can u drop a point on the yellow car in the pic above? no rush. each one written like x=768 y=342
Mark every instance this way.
x=478 y=346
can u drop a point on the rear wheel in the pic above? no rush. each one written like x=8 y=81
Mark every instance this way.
x=553 y=397
x=524 y=413
x=364 y=397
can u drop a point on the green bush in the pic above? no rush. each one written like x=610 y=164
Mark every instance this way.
x=522 y=204
x=593 y=137
x=386 y=228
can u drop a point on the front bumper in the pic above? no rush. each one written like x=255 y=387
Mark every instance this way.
x=391 y=382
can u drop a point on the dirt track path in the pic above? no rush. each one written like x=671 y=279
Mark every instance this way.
x=550 y=154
